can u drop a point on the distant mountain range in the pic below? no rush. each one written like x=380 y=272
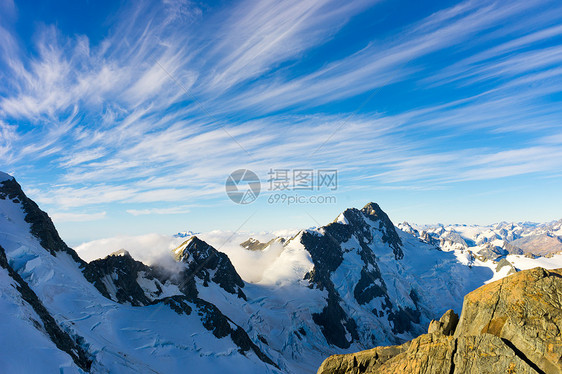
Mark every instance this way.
x=493 y=241
x=352 y=284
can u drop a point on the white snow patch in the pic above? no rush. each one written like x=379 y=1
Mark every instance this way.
x=150 y=287
x=341 y=219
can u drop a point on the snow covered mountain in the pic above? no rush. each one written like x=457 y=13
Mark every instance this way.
x=355 y=283
x=114 y=315
x=494 y=242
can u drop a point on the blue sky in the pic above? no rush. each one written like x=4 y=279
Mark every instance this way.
x=127 y=118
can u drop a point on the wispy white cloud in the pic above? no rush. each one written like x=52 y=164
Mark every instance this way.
x=77 y=217
x=8 y=137
x=382 y=63
x=113 y=126
x=70 y=197
x=172 y=210
x=259 y=35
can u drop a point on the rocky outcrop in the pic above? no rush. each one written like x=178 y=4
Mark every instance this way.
x=512 y=249
x=253 y=244
x=209 y=265
x=117 y=277
x=525 y=311
x=491 y=252
x=452 y=239
x=446 y=324
x=503 y=263
x=40 y=223
x=426 y=238
x=509 y=326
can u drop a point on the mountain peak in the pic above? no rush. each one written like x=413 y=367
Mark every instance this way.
x=5 y=177
x=194 y=246
x=374 y=212
x=41 y=225
x=205 y=262
x=372 y=206
x=122 y=252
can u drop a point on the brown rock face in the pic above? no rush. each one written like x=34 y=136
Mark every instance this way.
x=509 y=326
x=525 y=311
x=368 y=361
x=446 y=324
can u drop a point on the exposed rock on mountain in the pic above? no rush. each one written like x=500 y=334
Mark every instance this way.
x=208 y=264
x=375 y=214
x=41 y=225
x=354 y=283
x=491 y=252
x=525 y=311
x=72 y=311
x=119 y=277
x=503 y=263
x=452 y=240
x=446 y=324
x=255 y=245
x=540 y=244
x=509 y=326
x=354 y=234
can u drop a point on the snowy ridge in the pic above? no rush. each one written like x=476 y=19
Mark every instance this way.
x=117 y=337
x=350 y=285
x=5 y=177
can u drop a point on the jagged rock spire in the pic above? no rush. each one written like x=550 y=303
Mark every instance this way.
x=201 y=259
x=375 y=213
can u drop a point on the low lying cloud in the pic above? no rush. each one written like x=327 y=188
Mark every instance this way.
x=149 y=248
x=250 y=265
x=157 y=249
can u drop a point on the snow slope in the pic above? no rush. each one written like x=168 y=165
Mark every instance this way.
x=118 y=338
x=25 y=347
x=353 y=284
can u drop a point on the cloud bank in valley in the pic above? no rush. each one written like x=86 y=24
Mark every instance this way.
x=157 y=249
